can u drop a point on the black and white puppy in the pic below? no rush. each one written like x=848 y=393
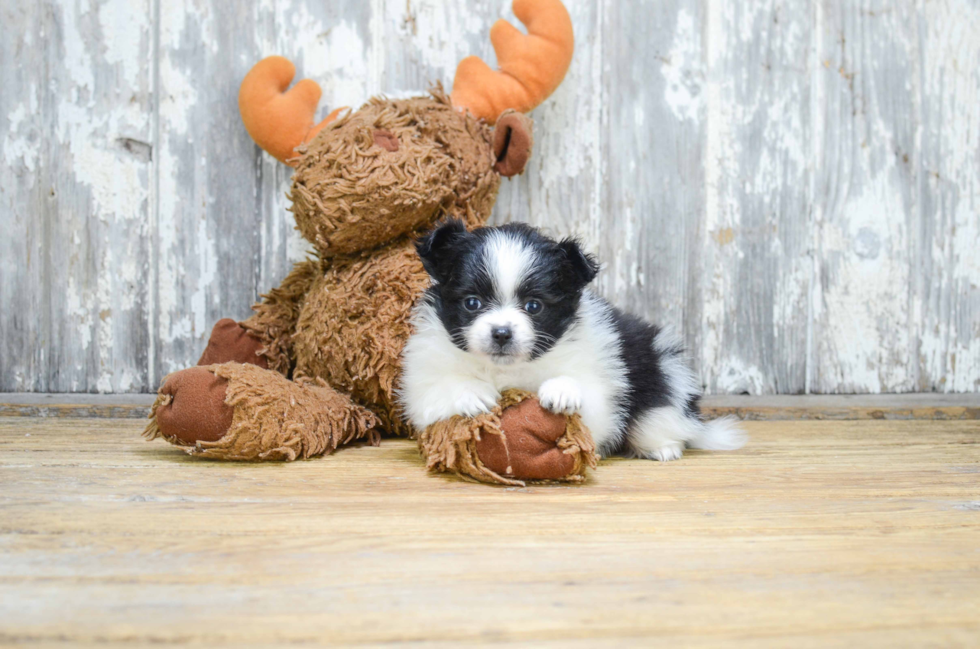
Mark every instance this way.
x=508 y=308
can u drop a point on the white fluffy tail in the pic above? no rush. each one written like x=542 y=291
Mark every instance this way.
x=722 y=434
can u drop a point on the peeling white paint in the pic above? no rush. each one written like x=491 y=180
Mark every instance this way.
x=865 y=305
x=719 y=159
x=124 y=26
x=207 y=271
x=21 y=143
x=335 y=56
x=442 y=33
x=682 y=69
x=180 y=97
x=779 y=101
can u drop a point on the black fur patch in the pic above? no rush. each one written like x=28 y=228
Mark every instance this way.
x=456 y=260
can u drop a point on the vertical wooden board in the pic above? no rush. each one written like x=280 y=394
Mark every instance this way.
x=946 y=260
x=335 y=44
x=21 y=245
x=653 y=175
x=420 y=42
x=754 y=265
x=224 y=232
x=560 y=189
x=423 y=43
x=208 y=183
x=90 y=203
x=865 y=196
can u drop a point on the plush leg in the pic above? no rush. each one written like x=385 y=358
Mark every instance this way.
x=236 y=411
x=518 y=441
x=231 y=342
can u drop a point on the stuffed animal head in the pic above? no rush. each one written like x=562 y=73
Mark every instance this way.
x=396 y=166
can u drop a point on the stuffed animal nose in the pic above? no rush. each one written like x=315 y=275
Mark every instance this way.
x=502 y=335
x=386 y=140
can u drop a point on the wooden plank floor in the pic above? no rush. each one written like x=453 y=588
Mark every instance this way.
x=818 y=532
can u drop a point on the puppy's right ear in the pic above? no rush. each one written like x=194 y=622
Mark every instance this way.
x=436 y=249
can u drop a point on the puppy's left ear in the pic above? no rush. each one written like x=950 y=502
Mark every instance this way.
x=435 y=249
x=582 y=265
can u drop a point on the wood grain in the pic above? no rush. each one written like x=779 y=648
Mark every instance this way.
x=815 y=533
x=925 y=405
x=21 y=247
x=755 y=238
x=946 y=302
x=792 y=184
x=652 y=163
x=867 y=197
x=75 y=176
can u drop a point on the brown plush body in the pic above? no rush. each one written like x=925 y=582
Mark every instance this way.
x=318 y=363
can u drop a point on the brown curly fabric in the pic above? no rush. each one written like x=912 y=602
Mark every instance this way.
x=349 y=193
x=275 y=316
x=274 y=418
x=355 y=323
x=363 y=188
x=454 y=445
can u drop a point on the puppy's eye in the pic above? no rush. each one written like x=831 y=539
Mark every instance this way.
x=472 y=303
x=533 y=307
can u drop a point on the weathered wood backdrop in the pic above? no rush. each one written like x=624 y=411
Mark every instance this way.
x=792 y=183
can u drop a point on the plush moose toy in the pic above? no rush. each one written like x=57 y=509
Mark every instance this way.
x=318 y=364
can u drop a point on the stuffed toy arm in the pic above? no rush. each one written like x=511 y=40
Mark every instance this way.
x=517 y=442
x=275 y=316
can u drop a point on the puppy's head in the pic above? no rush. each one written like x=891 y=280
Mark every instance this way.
x=506 y=293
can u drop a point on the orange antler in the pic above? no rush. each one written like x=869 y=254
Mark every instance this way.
x=531 y=66
x=279 y=121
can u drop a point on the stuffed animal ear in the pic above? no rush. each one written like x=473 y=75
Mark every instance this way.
x=512 y=143
x=435 y=248
x=532 y=65
x=279 y=120
x=582 y=266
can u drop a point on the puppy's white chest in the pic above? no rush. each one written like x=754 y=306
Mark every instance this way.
x=528 y=376
x=522 y=378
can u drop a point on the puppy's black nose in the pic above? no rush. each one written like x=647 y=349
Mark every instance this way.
x=502 y=335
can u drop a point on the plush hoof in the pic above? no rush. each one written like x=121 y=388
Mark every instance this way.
x=230 y=342
x=528 y=449
x=193 y=407
x=241 y=412
x=517 y=441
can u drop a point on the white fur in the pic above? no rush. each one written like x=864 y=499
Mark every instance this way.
x=586 y=360
x=582 y=373
x=663 y=433
x=561 y=394
x=722 y=434
x=682 y=381
x=479 y=335
x=507 y=261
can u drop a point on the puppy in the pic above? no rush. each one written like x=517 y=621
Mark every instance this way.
x=508 y=308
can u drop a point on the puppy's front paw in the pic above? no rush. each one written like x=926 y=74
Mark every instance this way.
x=471 y=400
x=470 y=403
x=561 y=395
